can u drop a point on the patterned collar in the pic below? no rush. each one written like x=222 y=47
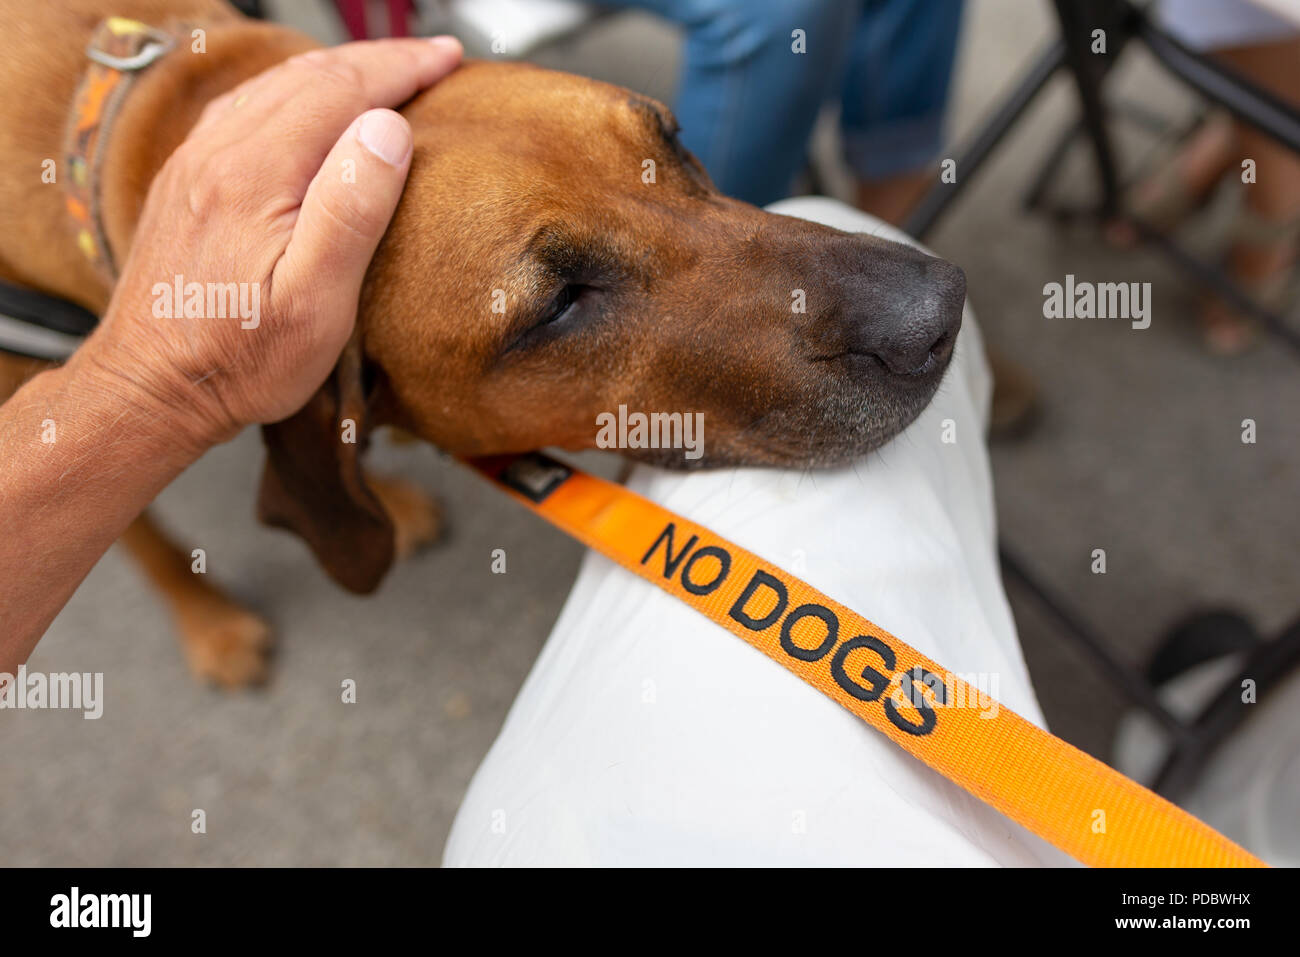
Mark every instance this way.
x=118 y=51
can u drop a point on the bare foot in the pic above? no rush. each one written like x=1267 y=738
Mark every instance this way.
x=1263 y=272
x=892 y=199
x=1180 y=184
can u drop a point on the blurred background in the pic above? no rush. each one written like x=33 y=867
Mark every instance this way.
x=1133 y=445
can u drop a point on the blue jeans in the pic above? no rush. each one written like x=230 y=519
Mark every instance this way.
x=747 y=102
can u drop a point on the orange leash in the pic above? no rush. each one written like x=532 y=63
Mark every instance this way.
x=1076 y=802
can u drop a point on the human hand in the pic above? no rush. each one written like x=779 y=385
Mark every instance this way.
x=284 y=188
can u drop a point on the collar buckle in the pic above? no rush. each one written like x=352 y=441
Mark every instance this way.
x=128 y=45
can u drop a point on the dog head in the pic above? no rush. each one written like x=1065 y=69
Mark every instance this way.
x=558 y=254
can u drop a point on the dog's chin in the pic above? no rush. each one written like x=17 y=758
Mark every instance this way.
x=840 y=427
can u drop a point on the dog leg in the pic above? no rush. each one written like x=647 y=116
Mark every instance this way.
x=417 y=518
x=223 y=642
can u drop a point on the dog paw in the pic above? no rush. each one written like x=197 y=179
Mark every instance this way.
x=226 y=645
x=417 y=518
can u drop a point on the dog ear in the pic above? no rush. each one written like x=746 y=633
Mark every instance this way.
x=313 y=486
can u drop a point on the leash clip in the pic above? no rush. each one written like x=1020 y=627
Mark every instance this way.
x=156 y=43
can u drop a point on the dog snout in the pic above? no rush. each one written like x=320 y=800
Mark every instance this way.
x=910 y=324
x=903 y=308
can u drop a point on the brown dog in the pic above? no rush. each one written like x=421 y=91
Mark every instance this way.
x=800 y=345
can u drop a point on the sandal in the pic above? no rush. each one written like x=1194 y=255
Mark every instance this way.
x=1167 y=195
x=1227 y=331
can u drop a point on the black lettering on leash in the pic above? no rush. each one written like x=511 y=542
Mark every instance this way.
x=724 y=566
x=907 y=680
x=799 y=614
x=869 y=684
x=876 y=682
x=670 y=563
x=761 y=579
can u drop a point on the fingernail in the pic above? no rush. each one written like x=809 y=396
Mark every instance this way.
x=386 y=135
x=445 y=42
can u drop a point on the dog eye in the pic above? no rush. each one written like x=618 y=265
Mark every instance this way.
x=561 y=305
x=571 y=303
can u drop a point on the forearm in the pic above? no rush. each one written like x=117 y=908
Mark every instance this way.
x=83 y=451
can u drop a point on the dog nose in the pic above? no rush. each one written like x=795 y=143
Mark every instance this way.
x=908 y=311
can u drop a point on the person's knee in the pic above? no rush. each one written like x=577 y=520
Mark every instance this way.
x=728 y=32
